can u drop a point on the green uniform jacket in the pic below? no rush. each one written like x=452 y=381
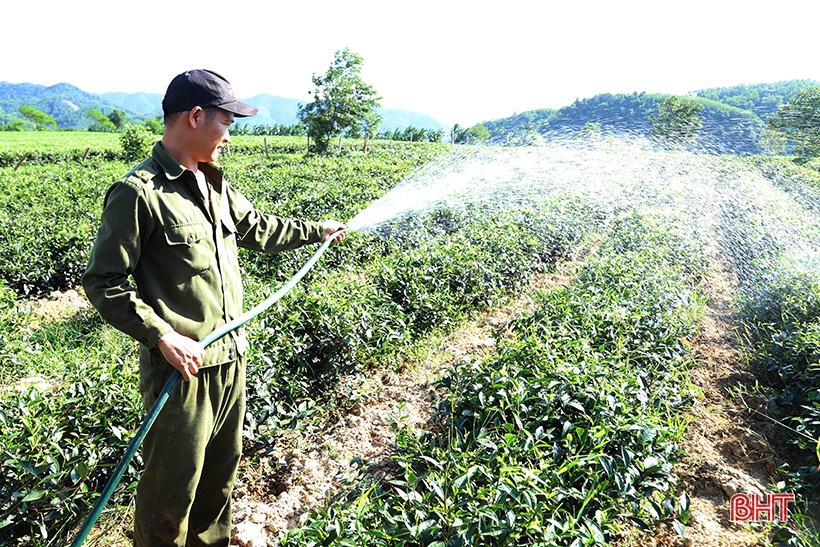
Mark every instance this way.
x=182 y=253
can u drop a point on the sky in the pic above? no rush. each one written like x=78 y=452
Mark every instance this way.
x=457 y=61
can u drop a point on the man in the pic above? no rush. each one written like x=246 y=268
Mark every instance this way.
x=173 y=225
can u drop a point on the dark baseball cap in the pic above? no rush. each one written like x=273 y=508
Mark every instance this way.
x=203 y=88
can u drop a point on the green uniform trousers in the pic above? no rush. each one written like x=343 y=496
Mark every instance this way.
x=191 y=455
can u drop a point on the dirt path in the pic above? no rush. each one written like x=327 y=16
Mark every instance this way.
x=728 y=449
x=299 y=476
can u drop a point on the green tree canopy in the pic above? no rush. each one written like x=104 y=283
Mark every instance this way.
x=469 y=135
x=36 y=117
x=369 y=126
x=677 y=120
x=342 y=102
x=137 y=141
x=478 y=134
x=590 y=132
x=155 y=125
x=458 y=135
x=101 y=122
x=14 y=125
x=117 y=117
x=799 y=121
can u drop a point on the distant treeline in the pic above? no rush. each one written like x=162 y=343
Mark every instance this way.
x=408 y=134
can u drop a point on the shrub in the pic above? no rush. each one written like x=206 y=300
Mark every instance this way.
x=137 y=141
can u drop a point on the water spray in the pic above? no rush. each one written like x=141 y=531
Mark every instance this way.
x=174 y=379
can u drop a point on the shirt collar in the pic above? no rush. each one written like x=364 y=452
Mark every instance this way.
x=173 y=169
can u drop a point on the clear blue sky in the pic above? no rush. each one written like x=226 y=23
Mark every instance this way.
x=460 y=62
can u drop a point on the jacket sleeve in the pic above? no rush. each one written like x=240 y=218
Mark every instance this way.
x=126 y=224
x=269 y=233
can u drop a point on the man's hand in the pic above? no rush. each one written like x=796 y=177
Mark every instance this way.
x=331 y=227
x=185 y=354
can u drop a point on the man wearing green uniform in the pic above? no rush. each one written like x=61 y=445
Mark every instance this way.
x=173 y=225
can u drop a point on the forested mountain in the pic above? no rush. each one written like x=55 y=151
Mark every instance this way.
x=762 y=99
x=68 y=105
x=733 y=118
x=64 y=102
x=143 y=104
x=273 y=110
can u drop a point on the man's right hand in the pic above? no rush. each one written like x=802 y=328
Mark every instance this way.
x=185 y=354
x=330 y=227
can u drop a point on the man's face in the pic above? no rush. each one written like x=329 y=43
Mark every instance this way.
x=213 y=133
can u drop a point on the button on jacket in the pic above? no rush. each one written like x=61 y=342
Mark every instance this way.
x=182 y=253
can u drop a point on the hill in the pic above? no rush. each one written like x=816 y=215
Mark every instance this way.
x=144 y=104
x=273 y=110
x=733 y=117
x=64 y=102
x=762 y=99
x=68 y=105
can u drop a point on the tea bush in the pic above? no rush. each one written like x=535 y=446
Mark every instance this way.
x=48 y=218
x=364 y=314
x=49 y=213
x=63 y=430
x=59 y=449
x=564 y=436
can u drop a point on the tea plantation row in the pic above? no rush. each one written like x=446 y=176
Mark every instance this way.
x=52 y=147
x=49 y=211
x=773 y=241
x=568 y=434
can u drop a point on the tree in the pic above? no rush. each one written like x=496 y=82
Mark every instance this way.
x=36 y=117
x=478 y=134
x=435 y=135
x=677 y=120
x=117 y=117
x=590 y=132
x=155 y=125
x=101 y=122
x=14 y=125
x=772 y=141
x=458 y=135
x=470 y=135
x=799 y=121
x=368 y=127
x=342 y=101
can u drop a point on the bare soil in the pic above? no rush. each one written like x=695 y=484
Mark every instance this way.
x=729 y=446
x=58 y=305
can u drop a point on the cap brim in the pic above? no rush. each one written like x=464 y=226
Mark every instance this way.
x=240 y=110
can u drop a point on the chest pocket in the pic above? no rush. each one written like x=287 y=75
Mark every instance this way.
x=190 y=249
